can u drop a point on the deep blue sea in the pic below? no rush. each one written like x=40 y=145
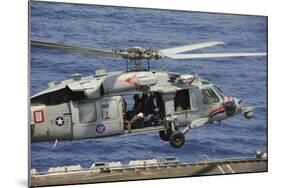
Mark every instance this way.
x=110 y=27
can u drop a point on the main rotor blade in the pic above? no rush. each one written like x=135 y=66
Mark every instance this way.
x=69 y=48
x=190 y=47
x=213 y=55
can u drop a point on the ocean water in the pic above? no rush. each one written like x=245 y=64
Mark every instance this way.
x=110 y=27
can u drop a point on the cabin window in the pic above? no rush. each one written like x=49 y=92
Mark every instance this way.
x=181 y=100
x=109 y=110
x=87 y=112
x=209 y=96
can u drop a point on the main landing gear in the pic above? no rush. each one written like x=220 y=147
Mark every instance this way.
x=175 y=138
x=173 y=135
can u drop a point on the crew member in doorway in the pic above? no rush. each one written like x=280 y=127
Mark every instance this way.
x=154 y=109
x=137 y=106
x=145 y=104
x=135 y=122
x=124 y=106
x=152 y=104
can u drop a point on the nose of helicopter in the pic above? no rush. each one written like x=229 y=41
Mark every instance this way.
x=238 y=103
x=248 y=111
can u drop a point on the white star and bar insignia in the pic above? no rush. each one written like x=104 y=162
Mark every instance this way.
x=59 y=121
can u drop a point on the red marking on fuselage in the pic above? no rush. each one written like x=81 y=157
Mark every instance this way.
x=35 y=118
x=217 y=109
x=106 y=117
x=130 y=80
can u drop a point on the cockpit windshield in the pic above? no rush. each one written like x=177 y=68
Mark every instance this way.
x=209 y=96
x=219 y=91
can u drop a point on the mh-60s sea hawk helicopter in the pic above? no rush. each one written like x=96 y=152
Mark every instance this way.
x=95 y=106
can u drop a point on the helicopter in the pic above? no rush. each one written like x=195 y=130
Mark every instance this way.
x=95 y=106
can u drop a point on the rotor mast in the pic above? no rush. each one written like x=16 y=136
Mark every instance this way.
x=136 y=55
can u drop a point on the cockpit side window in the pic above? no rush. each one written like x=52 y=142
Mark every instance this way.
x=209 y=96
x=219 y=91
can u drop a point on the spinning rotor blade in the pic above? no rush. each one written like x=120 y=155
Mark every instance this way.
x=68 y=48
x=213 y=55
x=190 y=47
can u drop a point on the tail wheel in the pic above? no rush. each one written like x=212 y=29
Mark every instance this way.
x=177 y=139
x=165 y=134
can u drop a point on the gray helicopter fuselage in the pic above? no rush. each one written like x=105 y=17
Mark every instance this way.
x=101 y=105
x=93 y=106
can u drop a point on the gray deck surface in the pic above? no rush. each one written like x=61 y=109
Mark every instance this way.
x=106 y=174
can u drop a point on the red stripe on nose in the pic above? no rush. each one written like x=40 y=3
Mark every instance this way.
x=217 y=109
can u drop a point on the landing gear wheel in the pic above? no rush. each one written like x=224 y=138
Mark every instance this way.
x=165 y=134
x=177 y=139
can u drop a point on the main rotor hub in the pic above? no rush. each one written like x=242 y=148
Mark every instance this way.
x=138 y=53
